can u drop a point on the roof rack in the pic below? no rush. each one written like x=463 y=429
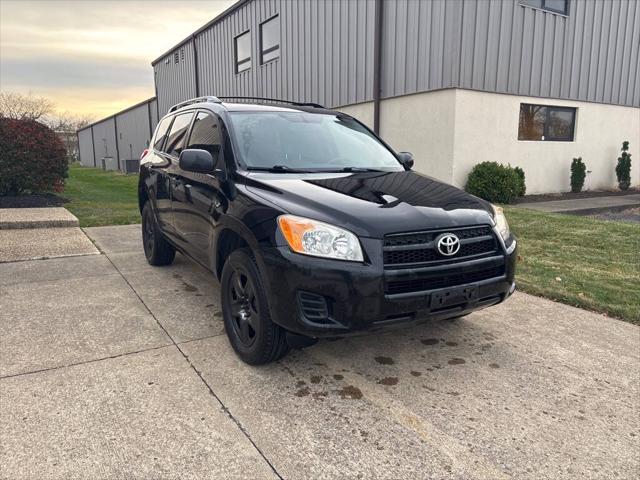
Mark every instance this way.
x=276 y=100
x=209 y=99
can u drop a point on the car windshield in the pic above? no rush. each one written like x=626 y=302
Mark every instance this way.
x=299 y=141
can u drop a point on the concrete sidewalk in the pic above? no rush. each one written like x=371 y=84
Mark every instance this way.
x=585 y=206
x=20 y=218
x=36 y=233
x=110 y=368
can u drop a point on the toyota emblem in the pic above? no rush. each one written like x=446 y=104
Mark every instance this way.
x=448 y=244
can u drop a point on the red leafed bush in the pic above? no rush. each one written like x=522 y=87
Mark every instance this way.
x=32 y=158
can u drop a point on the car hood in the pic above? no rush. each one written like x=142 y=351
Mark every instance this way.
x=372 y=204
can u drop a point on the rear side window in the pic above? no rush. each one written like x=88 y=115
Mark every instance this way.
x=176 y=138
x=205 y=134
x=161 y=133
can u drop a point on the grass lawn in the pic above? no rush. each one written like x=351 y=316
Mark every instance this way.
x=597 y=262
x=593 y=264
x=98 y=197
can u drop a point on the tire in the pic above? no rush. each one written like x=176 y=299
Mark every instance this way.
x=157 y=250
x=245 y=310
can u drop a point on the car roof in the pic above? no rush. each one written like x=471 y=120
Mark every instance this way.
x=254 y=107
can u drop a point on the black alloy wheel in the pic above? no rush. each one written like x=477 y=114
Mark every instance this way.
x=245 y=310
x=156 y=249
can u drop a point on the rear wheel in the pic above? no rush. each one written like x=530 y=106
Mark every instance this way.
x=245 y=309
x=157 y=250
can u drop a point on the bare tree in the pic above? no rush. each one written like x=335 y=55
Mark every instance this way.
x=66 y=125
x=67 y=122
x=24 y=107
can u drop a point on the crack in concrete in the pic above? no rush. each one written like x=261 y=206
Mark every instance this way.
x=94 y=360
x=199 y=374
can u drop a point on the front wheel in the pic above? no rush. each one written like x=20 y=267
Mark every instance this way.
x=245 y=309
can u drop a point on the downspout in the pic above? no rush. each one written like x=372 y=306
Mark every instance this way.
x=195 y=65
x=93 y=145
x=115 y=126
x=377 y=64
x=155 y=88
x=78 y=140
x=150 y=123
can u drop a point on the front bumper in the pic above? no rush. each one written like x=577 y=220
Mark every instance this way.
x=355 y=296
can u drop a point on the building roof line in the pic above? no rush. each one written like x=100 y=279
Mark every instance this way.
x=139 y=104
x=210 y=23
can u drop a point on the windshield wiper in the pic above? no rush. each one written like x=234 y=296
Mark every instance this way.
x=354 y=169
x=278 y=169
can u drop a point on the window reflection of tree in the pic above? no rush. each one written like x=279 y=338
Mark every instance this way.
x=559 y=124
x=532 y=118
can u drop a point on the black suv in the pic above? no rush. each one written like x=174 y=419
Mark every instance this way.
x=314 y=226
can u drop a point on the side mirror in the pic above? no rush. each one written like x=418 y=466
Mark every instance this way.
x=406 y=159
x=196 y=160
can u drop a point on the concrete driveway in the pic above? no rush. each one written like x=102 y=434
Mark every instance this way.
x=110 y=368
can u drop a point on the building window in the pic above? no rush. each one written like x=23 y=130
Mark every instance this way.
x=270 y=40
x=555 y=6
x=243 y=52
x=546 y=122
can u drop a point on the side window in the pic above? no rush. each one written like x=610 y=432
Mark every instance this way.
x=555 y=6
x=175 y=141
x=243 y=52
x=205 y=134
x=161 y=133
x=270 y=40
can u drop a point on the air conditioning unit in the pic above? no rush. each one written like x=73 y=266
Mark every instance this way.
x=131 y=166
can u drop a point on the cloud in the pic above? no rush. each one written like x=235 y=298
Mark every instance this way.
x=96 y=51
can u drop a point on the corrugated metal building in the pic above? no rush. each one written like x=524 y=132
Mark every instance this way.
x=116 y=142
x=530 y=82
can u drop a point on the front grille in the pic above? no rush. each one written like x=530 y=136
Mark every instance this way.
x=429 y=236
x=444 y=280
x=419 y=248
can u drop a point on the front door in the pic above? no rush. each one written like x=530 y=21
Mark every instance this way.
x=197 y=198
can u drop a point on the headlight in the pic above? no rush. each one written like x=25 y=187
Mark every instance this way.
x=501 y=222
x=311 y=237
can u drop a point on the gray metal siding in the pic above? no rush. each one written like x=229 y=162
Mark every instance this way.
x=503 y=46
x=133 y=133
x=85 y=147
x=175 y=81
x=104 y=137
x=326 y=55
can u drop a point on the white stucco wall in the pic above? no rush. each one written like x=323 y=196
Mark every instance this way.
x=449 y=131
x=423 y=124
x=486 y=129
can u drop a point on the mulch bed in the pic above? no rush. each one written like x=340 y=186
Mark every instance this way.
x=32 y=201
x=548 y=197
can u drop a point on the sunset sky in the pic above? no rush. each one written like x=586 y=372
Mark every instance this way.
x=92 y=57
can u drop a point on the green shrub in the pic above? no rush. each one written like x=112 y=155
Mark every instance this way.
x=495 y=182
x=523 y=188
x=578 y=173
x=623 y=169
x=32 y=158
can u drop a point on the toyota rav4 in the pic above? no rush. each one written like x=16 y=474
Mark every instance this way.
x=313 y=225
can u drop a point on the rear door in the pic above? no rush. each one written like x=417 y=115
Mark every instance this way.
x=197 y=199
x=158 y=183
x=172 y=148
